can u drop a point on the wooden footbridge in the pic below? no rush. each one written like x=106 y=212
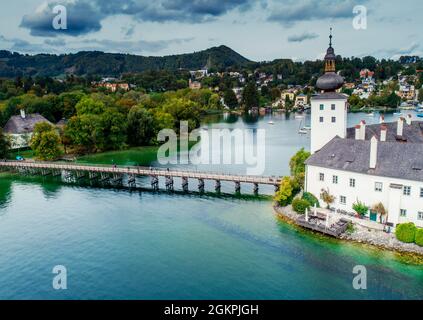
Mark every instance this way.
x=116 y=175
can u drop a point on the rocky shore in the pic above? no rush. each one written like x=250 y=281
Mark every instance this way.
x=361 y=234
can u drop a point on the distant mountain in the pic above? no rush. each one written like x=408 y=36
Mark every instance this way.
x=113 y=64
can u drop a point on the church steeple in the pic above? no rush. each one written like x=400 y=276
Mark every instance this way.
x=330 y=81
x=330 y=56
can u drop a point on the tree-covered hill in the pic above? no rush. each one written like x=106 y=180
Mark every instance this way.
x=113 y=64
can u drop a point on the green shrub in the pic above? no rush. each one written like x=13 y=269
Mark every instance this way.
x=406 y=232
x=360 y=208
x=311 y=199
x=419 y=237
x=285 y=194
x=300 y=205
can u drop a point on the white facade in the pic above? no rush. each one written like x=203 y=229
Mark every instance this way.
x=328 y=120
x=18 y=141
x=403 y=199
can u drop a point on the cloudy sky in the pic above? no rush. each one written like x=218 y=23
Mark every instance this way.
x=258 y=29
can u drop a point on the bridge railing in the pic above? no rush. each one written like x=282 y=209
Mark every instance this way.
x=143 y=171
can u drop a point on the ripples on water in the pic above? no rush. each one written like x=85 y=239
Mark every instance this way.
x=118 y=244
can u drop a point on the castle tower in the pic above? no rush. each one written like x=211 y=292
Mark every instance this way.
x=328 y=108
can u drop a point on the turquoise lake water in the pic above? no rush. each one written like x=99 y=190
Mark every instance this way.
x=117 y=244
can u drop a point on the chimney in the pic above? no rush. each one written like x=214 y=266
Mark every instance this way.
x=373 y=153
x=357 y=132
x=363 y=130
x=408 y=119
x=23 y=114
x=400 y=126
x=382 y=119
x=383 y=132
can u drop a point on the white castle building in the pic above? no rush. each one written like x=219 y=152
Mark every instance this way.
x=373 y=164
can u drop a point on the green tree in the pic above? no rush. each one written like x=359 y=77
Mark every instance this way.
x=183 y=109
x=285 y=194
x=250 y=97
x=140 y=126
x=45 y=142
x=297 y=162
x=4 y=145
x=297 y=166
x=230 y=99
x=96 y=127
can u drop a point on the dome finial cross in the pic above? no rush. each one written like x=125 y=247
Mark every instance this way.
x=330 y=38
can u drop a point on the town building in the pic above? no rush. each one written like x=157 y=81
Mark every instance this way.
x=301 y=101
x=113 y=87
x=371 y=164
x=194 y=85
x=407 y=92
x=19 y=129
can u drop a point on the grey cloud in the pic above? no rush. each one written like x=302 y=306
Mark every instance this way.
x=82 y=18
x=302 y=37
x=85 y=16
x=292 y=11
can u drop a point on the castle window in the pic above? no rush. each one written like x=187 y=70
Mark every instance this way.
x=407 y=190
x=352 y=183
x=321 y=177
x=322 y=107
x=342 y=200
x=421 y=192
x=332 y=107
x=420 y=216
x=321 y=119
x=378 y=186
x=333 y=119
x=335 y=179
x=403 y=213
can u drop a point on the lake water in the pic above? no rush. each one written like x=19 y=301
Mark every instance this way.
x=117 y=244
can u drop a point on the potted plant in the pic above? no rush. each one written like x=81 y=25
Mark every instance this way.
x=327 y=197
x=360 y=208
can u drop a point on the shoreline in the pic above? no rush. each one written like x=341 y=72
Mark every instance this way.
x=362 y=236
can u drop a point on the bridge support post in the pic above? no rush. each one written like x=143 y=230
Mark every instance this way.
x=92 y=175
x=256 y=189
x=185 y=186
x=56 y=173
x=80 y=175
x=155 y=183
x=117 y=179
x=218 y=186
x=237 y=187
x=169 y=183
x=105 y=177
x=131 y=181
x=201 y=185
x=276 y=188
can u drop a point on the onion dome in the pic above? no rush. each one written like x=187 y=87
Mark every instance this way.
x=330 y=81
